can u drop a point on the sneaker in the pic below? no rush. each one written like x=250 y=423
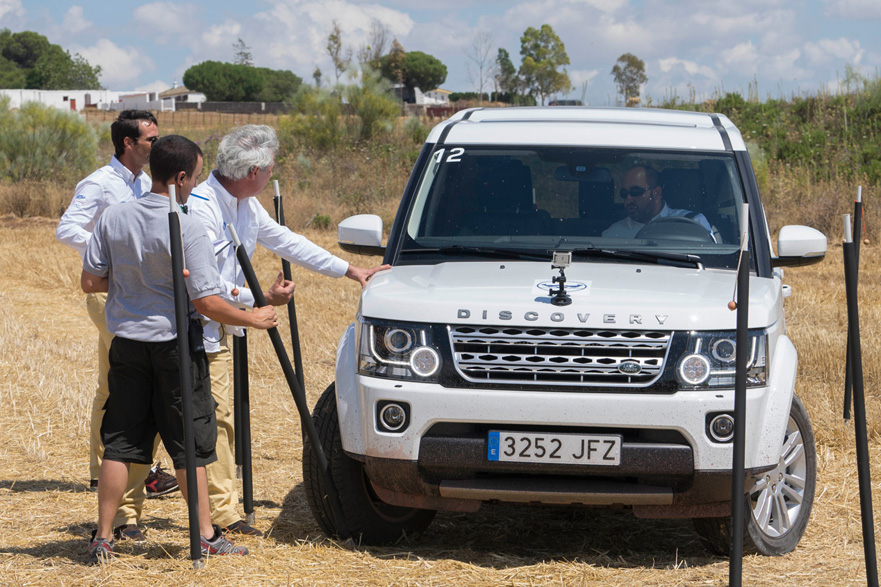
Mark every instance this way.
x=220 y=545
x=242 y=527
x=93 y=485
x=159 y=482
x=129 y=532
x=100 y=551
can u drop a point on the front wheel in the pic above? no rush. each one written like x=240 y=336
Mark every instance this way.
x=368 y=517
x=779 y=502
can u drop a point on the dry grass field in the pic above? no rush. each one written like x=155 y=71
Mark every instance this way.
x=47 y=377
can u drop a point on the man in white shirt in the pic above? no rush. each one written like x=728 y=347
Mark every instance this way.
x=122 y=180
x=245 y=159
x=644 y=202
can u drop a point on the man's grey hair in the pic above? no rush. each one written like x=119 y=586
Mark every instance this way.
x=248 y=146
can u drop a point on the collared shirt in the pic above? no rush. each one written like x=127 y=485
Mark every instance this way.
x=130 y=245
x=628 y=228
x=215 y=207
x=111 y=184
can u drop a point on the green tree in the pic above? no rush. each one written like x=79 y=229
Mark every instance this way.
x=543 y=55
x=506 y=74
x=422 y=71
x=340 y=57
x=278 y=85
x=629 y=74
x=57 y=70
x=392 y=65
x=11 y=75
x=25 y=48
x=224 y=82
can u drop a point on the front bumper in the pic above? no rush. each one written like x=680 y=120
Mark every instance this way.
x=667 y=457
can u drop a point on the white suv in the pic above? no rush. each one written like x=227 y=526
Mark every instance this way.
x=538 y=341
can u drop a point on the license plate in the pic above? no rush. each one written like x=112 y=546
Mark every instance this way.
x=569 y=449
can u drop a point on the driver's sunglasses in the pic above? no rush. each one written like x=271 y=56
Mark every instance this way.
x=150 y=140
x=634 y=191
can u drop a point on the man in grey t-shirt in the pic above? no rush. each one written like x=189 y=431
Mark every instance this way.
x=129 y=257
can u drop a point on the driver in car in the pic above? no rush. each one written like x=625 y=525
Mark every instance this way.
x=644 y=201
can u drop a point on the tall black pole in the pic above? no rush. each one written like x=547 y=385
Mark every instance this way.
x=851 y=279
x=735 y=563
x=181 y=307
x=857 y=230
x=242 y=423
x=297 y=392
x=292 y=307
x=239 y=375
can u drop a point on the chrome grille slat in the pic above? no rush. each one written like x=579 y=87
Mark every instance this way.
x=559 y=356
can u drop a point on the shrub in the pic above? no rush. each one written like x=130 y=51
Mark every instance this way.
x=40 y=142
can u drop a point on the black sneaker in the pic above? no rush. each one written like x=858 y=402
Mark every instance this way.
x=220 y=545
x=129 y=532
x=159 y=482
x=93 y=485
x=100 y=551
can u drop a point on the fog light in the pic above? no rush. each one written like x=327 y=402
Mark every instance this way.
x=393 y=417
x=722 y=428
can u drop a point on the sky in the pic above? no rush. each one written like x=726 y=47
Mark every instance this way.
x=692 y=49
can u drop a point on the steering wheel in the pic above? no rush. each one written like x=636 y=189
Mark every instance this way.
x=676 y=228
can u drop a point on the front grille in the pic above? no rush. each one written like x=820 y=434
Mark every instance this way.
x=559 y=356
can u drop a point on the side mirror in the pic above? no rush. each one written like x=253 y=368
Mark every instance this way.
x=798 y=246
x=361 y=234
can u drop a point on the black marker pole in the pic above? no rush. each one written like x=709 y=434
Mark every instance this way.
x=857 y=228
x=735 y=562
x=181 y=307
x=851 y=279
x=297 y=392
x=242 y=407
x=292 y=307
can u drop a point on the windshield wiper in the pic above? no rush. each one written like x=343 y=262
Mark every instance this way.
x=497 y=252
x=651 y=257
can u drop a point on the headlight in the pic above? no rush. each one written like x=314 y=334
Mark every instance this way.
x=397 y=350
x=709 y=360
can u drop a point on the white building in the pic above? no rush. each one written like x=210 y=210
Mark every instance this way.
x=74 y=100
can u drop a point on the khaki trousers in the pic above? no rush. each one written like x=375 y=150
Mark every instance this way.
x=223 y=495
x=129 y=511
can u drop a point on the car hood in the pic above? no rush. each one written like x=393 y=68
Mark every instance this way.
x=633 y=296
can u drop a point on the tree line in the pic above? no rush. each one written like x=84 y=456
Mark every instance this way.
x=28 y=60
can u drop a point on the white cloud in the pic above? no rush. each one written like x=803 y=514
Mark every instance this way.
x=74 y=21
x=10 y=9
x=221 y=37
x=167 y=20
x=673 y=64
x=120 y=67
x=836 y=51
x=856 y=9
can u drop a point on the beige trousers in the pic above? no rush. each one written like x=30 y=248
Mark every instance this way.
x=129 y=511
x=223 y=495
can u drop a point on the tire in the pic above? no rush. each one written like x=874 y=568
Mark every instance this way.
x=779 y=502
x=371 y=521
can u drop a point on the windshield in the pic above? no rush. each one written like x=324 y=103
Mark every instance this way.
x=532 y=200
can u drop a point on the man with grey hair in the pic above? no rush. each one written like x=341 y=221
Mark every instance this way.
x=245 y=160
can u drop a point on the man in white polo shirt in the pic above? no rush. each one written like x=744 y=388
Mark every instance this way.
x=245 y=158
